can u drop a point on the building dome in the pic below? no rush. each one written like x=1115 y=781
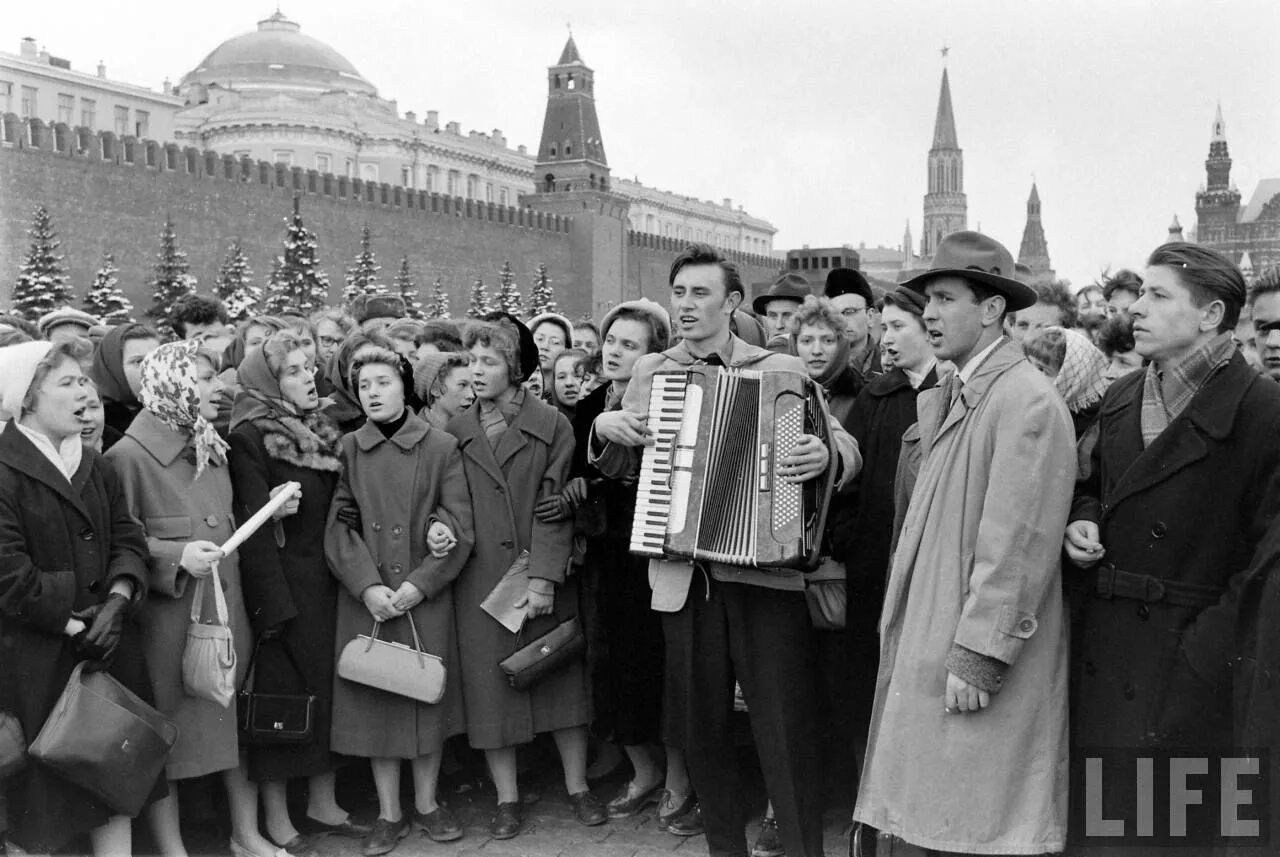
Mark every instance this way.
x=278 y=56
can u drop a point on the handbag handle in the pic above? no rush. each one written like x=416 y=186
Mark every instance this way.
x=417 y=641
x=288 y=652
x=219 y=598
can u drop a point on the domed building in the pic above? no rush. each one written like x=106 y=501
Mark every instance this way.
x=276 y=94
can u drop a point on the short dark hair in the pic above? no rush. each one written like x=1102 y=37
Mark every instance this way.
x=895 y=300
x=1055 y=293
x=503 y=338
x=441 y=333
x=1122 y=280
x=705 y=254
x=981 y=292
x=658 y=339
x=378 y=357
x=1116 y=337
x=196 y=309
x=1208 y=275
x=1267 y=283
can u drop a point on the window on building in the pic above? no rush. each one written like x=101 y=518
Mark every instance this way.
x=351 y=168
x=6 y=95
x=572 y=84
x=488 y=191
x=283 y=156
x=66 y=106
x=455 y=181
x=324 y=163
x=502 y=196
x=89 y=113
x=804 y=263
x=473 y=186
x=433 y=179
x=406 y=176
x=825 y=262
x=122 y=121
x=28 y=102
x=568 y=149
x=369 y=172
x=553 y=150
x=141 y=123
x=795 y=263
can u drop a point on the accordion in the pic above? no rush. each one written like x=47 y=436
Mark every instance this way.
x=708 y=487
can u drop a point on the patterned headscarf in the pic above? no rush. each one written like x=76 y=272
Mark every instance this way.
x=1082 y=379
x=170 y=391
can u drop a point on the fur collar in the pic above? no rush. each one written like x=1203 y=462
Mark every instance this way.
x=311 y=441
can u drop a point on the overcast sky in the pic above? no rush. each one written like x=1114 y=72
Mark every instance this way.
x=815 y=115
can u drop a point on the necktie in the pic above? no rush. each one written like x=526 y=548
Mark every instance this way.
x=714 y=360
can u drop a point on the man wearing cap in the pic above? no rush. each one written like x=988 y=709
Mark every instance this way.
x=65 y=323
x=967 y=752
x=724 y=622
x=374 y=312
x=851 y=295
x=778 y=305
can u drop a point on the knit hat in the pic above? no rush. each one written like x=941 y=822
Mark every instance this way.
x=65 y=315
x=555 y=318
x=427 y=370
x=17 y=370
x=653 y=310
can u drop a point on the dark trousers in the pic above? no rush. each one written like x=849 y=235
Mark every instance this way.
x=763 y=638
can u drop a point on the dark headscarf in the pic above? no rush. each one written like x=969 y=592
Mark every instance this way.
x=107 y=370
x=524 y=337
x=260 y=390
x=307 y=439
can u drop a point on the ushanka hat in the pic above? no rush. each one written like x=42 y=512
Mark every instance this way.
x=974 y=257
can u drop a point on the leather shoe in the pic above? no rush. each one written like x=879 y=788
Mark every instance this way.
x=689 y=824
x=588 y=809
x=350 y=829
x=506 y=821
x=301 y=845
x=629 y=802
x=669 y=810
x=769 y=842
x=384 y=836
x=439 y=824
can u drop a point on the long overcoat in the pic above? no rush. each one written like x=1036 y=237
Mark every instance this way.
x=158 y=477
x=287 y=581
x=977 y=565
x=399 y=486
x=531 y=460
x=62 y=545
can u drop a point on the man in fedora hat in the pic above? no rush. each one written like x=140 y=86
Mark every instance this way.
x=853 y=298
x=967 y=751
x=778 y=305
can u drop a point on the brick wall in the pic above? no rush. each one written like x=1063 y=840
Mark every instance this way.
x=649 y=262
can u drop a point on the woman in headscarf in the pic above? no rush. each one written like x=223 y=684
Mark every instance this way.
x=1079 y=371
x=116 y=369
x=279 y=435
x=172 y=467
x=73 y=565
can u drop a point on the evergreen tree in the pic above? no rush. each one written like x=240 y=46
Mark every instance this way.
x=105 y=300
x=172 y=280
x=235 y=284
x=42 y=281
x=408 y=290
x=508 y=298
x=297 y=283
x=362 y=276
x=479 y=305
x=540 y=298
x=439 y=300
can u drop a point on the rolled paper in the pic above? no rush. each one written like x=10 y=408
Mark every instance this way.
x=260 y=517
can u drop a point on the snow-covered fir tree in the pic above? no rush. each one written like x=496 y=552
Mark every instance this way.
x=479 y=305
x=297 y=284
x=362 y=276
x=42 y=280
x=407 y=289
x=439 y=300
x=235 y=284
x=508 y=297
x=540 y=298
x=105 y=300
x=172 y=279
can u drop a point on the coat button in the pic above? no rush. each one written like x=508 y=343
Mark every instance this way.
x=87 y=534
x=1129 y=692
x=1027 y=626
x=377 y=528
x=211 y=520
x=396 y=568
x=1159 y=530
x=506 y=543
x=395 y=531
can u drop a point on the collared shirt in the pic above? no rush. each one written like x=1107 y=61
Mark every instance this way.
x=917 y=378
x=971 y=367
x=65 y=458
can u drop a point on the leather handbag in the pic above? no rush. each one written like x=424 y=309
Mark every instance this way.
x=531 y=663
x=826 y=593
x=275 y=718
x=393 y=667
x=13 y=745
x=101 y=737
x=209 y=657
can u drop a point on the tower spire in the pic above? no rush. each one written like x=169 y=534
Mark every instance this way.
x=1034 y=252
x=944 y=125
x=945 y=206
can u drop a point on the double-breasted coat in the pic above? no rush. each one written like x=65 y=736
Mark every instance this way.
x=158 y=475
x=62 y=546
x=399 y=484
x=530 y=460
x=287 y=582
x=977 y=565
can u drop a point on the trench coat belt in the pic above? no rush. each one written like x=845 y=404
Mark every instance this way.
x=1111 y=582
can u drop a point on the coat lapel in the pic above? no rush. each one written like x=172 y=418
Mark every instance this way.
x=21 y=454
x=474 y=445
x=1000 y=360
x=536 y=419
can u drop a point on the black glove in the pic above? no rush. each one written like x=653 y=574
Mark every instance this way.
x=350 y=515
x=552 y=509
x=99 y=641
x=275 y=632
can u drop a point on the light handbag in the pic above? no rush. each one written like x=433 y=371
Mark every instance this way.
x=275 y=718
x=554 y=650
x=13 y=745
x=826 y=593
x=209 y=657
x=104 y=739
x=393 y=667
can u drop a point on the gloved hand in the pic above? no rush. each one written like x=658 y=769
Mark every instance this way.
x=350 y=515
x=554 y=508
x=98 y=642
x=199 y=557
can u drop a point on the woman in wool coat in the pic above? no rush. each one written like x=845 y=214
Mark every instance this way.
x=70 y=554
x=278 y=435
x=399 y=532
x=172 y=466
x=517 y=451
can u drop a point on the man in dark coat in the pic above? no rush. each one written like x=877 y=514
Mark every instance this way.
x=1183 y=486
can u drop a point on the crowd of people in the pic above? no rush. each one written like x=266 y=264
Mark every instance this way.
x=1051 y=524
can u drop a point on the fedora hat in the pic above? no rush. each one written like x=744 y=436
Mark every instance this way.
x=788 y=287
x=975 y=257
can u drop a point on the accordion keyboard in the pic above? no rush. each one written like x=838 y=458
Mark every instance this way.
x=653 y=487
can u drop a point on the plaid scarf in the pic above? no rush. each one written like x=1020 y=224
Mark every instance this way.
x=1166 y=393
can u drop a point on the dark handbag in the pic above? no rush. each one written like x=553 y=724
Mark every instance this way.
x=101 y=737
x=276 y=718
x=13 y=745
x=554 y=650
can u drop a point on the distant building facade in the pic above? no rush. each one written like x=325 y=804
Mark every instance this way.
x=1244 y=234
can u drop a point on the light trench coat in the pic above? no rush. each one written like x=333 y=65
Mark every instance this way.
x=977 y=565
